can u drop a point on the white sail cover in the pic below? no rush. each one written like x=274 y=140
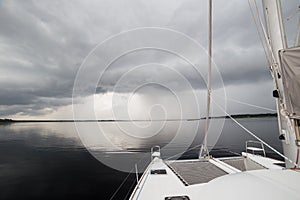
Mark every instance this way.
x=290 y=67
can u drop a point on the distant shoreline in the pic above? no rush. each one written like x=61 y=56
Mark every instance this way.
x=236 y=116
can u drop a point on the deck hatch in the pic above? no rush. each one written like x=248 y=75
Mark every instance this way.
x=178 y=198
x=158 y=171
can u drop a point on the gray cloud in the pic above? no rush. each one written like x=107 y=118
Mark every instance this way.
x=43 y=43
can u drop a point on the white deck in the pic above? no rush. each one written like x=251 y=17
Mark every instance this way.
x=157 y=186
x=274 y=183
x=266 y=162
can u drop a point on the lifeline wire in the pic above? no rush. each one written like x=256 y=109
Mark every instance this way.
x=248 y=104
x=256 y=137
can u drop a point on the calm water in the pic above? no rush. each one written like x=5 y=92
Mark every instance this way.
x=49 y=161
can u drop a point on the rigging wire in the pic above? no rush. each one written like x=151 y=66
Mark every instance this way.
x=244 y=128
x=133 y=183
x=121 y=185
x=256 y=137
x=117 y=190
x=245 y=103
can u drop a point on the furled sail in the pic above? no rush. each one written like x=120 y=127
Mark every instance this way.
x=290 y=64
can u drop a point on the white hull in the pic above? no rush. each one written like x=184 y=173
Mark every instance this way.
x=273 y=182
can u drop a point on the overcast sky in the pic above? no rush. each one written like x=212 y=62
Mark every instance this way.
x=44 y=43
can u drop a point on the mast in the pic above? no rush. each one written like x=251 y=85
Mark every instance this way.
x=204 y=149
x=277 y=41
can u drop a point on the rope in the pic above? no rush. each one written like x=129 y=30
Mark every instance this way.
x=114 y=194
x=234 y=100
x=133 y=183
x=256 y=137
x=126 y=179
x=147 y=175
x=248 y=104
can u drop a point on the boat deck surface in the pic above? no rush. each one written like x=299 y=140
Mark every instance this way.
x=191 y=179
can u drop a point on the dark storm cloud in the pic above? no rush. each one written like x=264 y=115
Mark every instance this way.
x=43 y=43
x=40 y=53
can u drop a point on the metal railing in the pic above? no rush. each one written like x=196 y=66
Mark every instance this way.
x=254 y=148
x=155 y=152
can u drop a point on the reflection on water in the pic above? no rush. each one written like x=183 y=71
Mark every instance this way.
x=49 y=161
